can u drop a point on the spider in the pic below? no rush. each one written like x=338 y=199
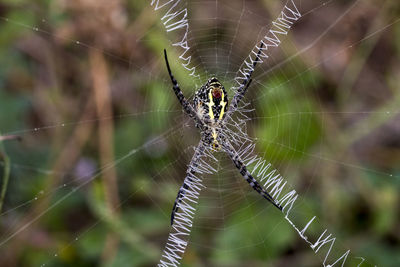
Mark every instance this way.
x=209 y=112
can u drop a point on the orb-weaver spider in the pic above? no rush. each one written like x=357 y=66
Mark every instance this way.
x=210 y=112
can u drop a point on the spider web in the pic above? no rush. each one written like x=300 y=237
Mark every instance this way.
x=286 y=113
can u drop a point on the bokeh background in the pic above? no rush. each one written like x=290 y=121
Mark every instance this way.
x=103 y=145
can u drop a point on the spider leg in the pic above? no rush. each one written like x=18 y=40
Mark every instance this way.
x=178 y=92
x=177 y=89
x=245 y=84
x=247 y=175
x=199 y=152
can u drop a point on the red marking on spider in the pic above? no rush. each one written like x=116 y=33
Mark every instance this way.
x=217 y=93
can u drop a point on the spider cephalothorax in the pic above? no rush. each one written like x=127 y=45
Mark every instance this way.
x=209 y=111
x=211 y=101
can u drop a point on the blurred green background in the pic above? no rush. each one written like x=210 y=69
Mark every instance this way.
x=104 y=144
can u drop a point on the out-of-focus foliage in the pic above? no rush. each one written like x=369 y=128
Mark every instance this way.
x=105 y=144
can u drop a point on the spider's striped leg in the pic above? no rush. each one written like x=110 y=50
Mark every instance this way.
x=247 y=175
x=178 y=92
x=190 y=175
x=246 y=83
x=177 y=89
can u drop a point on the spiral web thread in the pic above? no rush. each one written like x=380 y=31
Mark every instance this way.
x=276 y=185
x=273 y=182
x=175 y=18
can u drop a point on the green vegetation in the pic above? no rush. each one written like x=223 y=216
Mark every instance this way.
x=105 y=144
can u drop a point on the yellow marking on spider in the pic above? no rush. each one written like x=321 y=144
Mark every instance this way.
x=214 y=134
x=215 y=143
x=210 y=105
x=223 y=104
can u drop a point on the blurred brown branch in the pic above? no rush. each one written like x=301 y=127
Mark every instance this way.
x=102 y=94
